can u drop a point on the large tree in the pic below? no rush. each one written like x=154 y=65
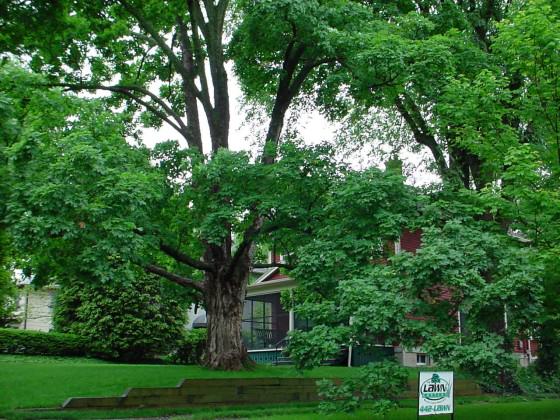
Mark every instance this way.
x=168 y=60
x=396 y=73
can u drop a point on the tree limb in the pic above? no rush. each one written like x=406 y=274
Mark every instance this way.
x=126 y=90
x=184 y=258
x=182 y=281
x=245 y=245
x=191 y=48
x=198 y=17
x=421 y=134
x=178 y=255
x=147 y=26
x=190 y=98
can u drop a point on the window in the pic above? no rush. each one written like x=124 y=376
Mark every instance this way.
x=265 y=322
x=421 y=359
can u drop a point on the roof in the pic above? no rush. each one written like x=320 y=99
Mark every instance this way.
x=270 y=281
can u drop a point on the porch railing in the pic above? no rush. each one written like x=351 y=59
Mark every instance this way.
x=279 y=348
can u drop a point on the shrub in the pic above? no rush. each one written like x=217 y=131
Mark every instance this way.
x=15 y=341
x=309 y=348
x=191 y=347
x=481 y=355
x=531 y=383
x=8 y=291
x=132 y=321
x=378 y=383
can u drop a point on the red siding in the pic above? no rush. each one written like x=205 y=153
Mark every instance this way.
x=411 y=240
x=521 y=346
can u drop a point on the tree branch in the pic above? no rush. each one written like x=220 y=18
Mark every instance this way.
x=181 y=281
x=190 y=98
x=147 y=26
x=185 y=259
x=304 y=72
x=178 y=255
x=126 y=90
x=193 y=51
x=421 y=135
x=245 y=245
x=198 y=17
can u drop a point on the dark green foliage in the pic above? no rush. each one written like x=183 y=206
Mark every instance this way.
x=309 y=349
x=468 y=263
x=190 y=348
x=133 y=321
x=13 y=341
x=532 y=383
x=486 y=356
x=8 y=291
x=381 y=383
x=548 y=335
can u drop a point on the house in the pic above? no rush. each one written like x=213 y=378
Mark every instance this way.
x=35 y=307
x=266 y=324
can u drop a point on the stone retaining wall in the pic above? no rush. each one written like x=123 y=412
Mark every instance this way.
x=213 y=392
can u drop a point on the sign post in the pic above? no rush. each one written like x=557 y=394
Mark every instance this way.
x=435 y=393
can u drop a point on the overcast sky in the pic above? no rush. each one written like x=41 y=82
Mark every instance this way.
x=313 y=128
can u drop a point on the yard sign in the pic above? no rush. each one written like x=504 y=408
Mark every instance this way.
x=435 y=393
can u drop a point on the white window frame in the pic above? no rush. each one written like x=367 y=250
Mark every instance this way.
x=425 y=362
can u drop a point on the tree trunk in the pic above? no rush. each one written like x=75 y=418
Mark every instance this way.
x=224 y=309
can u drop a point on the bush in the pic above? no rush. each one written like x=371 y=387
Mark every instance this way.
x=482 y=355
x=191 y=347
x=379 y=383
x=131 y=321
x=531 y=383
x=13 y=341
x=309 y=348
x=8 y=291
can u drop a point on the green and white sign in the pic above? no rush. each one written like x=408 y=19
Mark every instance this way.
x=435 y=393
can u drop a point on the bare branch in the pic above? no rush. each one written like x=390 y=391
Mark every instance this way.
x=196 y=52
x=190 y=96
x=218 y=113
x=169 y=116
x=245 y=245
x=178 y=255
x=182 y=281
x=198 y=17
x=421 y=134
x=185 y=259
x=298 y=80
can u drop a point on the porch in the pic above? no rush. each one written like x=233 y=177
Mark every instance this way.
x=265 y=329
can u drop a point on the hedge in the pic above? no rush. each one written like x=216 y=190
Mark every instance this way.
x=191 y=348
x=14 y=341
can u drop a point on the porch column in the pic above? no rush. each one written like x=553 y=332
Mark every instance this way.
x=291 y=320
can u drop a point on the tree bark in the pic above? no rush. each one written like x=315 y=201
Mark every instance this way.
x=224 y=299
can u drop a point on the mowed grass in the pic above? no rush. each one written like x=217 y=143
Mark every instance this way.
x=529 y=410
x=466 y=409
x=29 y=381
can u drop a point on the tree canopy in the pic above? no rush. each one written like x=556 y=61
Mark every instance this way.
x=474 y=83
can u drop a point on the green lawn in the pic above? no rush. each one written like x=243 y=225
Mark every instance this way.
x=29 y=382
x=466 y=409
x=530 y=410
